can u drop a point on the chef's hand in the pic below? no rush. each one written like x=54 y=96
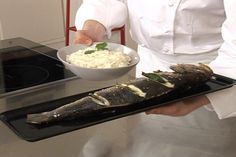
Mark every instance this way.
x=181 y=108
x=92 y=31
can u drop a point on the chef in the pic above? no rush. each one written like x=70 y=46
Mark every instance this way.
x=170 y=32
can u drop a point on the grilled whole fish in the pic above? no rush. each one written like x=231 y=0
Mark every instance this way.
x=153 y=85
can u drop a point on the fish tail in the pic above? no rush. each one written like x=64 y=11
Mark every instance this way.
x=38 y=118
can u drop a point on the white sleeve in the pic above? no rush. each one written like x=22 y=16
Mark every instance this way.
x=110 y=13
x=224 y=102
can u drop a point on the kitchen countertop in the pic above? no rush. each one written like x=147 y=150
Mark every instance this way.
x=11 y=145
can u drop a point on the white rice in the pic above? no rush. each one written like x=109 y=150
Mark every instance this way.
x=99 y=59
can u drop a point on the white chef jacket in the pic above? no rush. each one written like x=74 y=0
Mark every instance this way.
x=194 y=31
x=170 y=32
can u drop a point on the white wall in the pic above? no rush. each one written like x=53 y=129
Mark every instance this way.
x=1 y=31
x=41 y=21
x=115 y=37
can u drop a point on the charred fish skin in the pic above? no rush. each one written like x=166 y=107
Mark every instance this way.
x=191 y=75
x=151 y=88
x=122 y=95
x=187 y=75
x=202 y=69
x=153 y=85
x=202 y=72
x=72 y=110
x=119 y=96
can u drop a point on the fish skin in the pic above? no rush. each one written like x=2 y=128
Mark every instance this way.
x=151 y=88
x=119 y=96
x=72 y=110
x=184 y=76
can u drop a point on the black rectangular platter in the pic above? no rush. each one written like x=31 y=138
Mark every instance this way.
x=16 y=119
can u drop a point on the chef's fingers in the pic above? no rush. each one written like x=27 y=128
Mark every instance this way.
x=95 y=30
x=82 y=38
x=174 y=109
x=181 y=108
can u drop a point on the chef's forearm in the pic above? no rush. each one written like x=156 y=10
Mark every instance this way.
x=223 y=102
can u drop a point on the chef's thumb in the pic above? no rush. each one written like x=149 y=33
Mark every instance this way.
x=82 y=38
x=88 y=42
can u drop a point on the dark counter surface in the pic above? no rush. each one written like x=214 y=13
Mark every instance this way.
x=46 y=92
x=12 y=146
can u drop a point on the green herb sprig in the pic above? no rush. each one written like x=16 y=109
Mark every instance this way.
x=98 y=47
x=157 y=78
x=89 y=51
x=101 y=46
x=154 y=77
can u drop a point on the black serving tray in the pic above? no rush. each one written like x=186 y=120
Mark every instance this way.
x=16 y=119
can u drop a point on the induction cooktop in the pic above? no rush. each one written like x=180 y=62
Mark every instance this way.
x=22 y=68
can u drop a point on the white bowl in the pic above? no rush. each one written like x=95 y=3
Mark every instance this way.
x=98 y=74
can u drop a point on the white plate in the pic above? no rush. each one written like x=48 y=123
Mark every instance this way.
x=99 y=74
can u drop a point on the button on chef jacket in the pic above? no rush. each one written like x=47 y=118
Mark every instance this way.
x=178 y=31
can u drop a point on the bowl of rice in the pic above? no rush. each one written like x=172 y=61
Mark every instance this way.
x=100 y=61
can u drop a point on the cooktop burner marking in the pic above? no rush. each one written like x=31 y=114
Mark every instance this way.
x=21 y=76
x=23 y=69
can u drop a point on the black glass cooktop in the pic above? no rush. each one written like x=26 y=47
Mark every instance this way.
x=22 y=68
